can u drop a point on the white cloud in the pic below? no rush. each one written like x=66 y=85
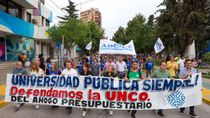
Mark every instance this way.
x=115 y=13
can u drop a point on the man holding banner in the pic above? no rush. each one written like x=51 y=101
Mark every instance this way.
x=161 y=73
x=134 y=74
x=19 y=70
x=186 y=73
x=69 y=71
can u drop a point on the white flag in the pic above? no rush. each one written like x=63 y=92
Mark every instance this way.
x=158 y=46
x=89 y=46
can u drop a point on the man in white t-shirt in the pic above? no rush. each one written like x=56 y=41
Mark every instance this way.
x=121 y=68
x=69 y=71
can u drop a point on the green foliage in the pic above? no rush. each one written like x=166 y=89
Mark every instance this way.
x=76 y=32
x=186 y=18
x=140 y=31
x=71 y=12
x=207 y=57
x=120 y=36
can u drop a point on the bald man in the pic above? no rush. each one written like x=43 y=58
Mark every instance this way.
x=19 y=70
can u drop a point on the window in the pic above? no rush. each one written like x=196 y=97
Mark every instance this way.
x=42 y=21
x=28 y=17
x=42 y=1
x=3 y=5
x=47 y=22
x=14 y=9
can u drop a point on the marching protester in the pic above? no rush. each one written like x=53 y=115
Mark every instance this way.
x=85 y=71
x=180 y=62
x=41 y=61
x=110 y=62
x=134 y=74
x=149 y=67
x=121 y=68
x=69 y=71
x=186 y=73
x=161 y=73
x=36 y=71
x=110 y=72
x=79 y=67
x=54 y=71
x=19 y=70
x=128 y=63
x=194 y=63
x=95 y=67
x=140 y=62
x=172 y=66
x=48 y=65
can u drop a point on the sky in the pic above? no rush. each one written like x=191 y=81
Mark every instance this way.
x=114 y=13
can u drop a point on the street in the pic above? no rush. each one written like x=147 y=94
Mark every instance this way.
x=28 y=111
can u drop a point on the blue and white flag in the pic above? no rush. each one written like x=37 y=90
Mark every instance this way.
x=89 y=46
x=158 y=46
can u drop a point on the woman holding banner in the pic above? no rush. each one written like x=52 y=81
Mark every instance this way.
x=36 y=71
x=54 y=71
x=133 y=74
x=110 y=72
x=85 y=71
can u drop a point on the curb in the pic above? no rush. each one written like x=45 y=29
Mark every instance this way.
x=2 y=94
x=3 y=103
x=206 y=96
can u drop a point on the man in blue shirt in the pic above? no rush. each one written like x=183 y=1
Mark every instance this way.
x=186 y=73
x=149 y=68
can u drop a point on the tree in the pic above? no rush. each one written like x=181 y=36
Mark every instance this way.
x=140 y=33
x=71 y=12
x=120 y=36
x=78 y=33
x=95 y=33
x=185 y=18
x=150 y=21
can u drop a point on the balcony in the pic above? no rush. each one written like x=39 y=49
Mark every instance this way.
x=12 y=25
x=28 y=4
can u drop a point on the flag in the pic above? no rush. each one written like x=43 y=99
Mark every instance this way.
x=158 y=46
x=89 y=46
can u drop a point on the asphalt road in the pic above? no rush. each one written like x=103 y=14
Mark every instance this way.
x=28 y=111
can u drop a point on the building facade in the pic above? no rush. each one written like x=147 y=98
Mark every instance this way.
x=23 y=25
x=92 y=14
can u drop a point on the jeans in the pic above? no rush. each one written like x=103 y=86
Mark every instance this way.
x=148 y=73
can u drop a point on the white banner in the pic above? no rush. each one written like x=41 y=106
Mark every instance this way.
x=111 y=47
x=104 y=93
x=159 y=46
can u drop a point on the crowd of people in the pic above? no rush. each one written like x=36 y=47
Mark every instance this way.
x=129 y=68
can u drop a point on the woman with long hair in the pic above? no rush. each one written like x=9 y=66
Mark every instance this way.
x=36 y=71
x=85 y=71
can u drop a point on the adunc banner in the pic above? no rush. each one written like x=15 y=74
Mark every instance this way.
x=103 y=92
x=111 y=47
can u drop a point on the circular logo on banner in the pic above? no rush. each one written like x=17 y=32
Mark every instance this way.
x=176 y=99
